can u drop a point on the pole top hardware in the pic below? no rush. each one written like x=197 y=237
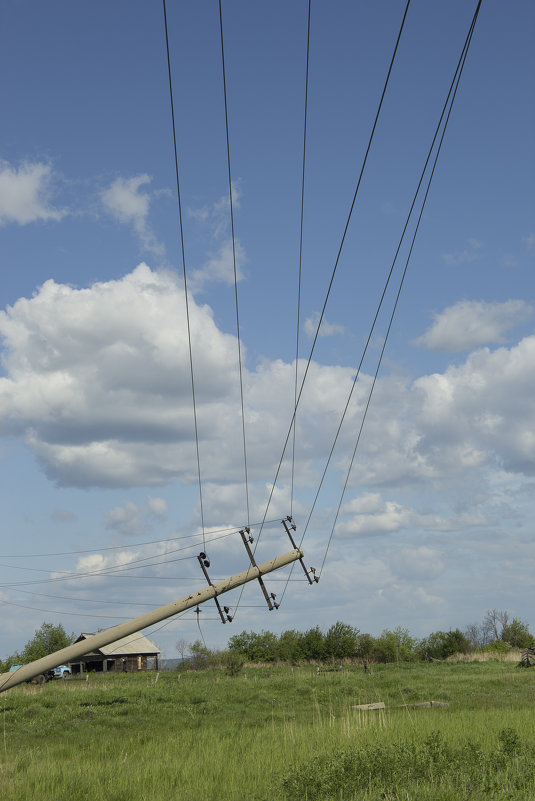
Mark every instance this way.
x=204 y=563
x=292 y=527
x=247 y=539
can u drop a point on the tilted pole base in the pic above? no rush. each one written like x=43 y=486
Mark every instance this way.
x=78 y=649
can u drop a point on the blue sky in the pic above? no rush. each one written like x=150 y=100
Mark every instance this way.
x=97 y=456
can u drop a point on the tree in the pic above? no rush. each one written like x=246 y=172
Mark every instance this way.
x=495 y=621
x=182 y=647
x=314 y=644
x=255 y=647
x=395 y=646
x=47 y=640
x=201 y=656
x=341 y=641
x=477 y=635
x=291 y=647
x=366 y=646
x=441 y=644
x=517 y=634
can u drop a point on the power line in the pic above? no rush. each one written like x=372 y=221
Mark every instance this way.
x=458 y=74
x=105 y=571
x=127 y=546
x=444 y=114
x=298 y=326
x=192 y=374
x=346 y=228
x=234 y=262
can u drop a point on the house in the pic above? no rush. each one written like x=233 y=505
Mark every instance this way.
x=129 y=654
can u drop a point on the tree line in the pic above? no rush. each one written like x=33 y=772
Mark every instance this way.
x=497 y=633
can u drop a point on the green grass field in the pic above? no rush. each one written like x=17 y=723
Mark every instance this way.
x=274 y=734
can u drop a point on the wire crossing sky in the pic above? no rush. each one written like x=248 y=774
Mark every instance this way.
x=98 y=456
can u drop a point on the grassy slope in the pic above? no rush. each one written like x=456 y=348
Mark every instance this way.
x=209 y=736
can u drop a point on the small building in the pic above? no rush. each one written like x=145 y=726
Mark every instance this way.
x=127 y=655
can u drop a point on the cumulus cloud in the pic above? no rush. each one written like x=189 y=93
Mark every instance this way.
x=99 y=379
x=125 y=201
x=370 y=515
x=327 y=329
x=482 y=410
x=25 y=193
x=471 y=323
x=97 y=382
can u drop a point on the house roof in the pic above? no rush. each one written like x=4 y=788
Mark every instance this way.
x=131 y=645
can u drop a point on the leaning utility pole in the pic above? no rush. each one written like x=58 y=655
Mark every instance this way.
x=78 y=649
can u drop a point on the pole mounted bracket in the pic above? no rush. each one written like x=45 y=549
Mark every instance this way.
x=204 y=563
x=290 y=526
x=248 y=539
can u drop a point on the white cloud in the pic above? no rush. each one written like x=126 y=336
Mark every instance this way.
x=470 y=254
x=97 y=382
x=219 y=267
x=157 y=506
x=327 y=329
x=469 y=324
x=127 y=519
x=216 y=216
x=25 y=193
x=124 y=201
x=371 y=515
x=529 y=241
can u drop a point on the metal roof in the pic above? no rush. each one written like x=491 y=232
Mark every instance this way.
x=131 y=645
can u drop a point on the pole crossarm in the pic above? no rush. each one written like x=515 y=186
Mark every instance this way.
x=78 y=649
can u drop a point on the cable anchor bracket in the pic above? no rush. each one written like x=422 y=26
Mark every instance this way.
x=290 y=526
x=248 y=539
x=204 y=563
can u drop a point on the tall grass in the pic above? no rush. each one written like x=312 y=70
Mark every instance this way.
x=260 y=738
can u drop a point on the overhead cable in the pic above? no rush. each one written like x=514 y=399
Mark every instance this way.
x=457 y=78
x=339 y=253
x=234 y=266
x=184 y=273
x=299 y=275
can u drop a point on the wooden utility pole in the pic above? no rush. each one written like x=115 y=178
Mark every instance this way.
x=78 y=649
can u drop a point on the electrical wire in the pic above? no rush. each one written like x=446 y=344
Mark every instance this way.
x=234 y=265
x=443 y=116
x=124 y=566
x=184 y=272
x=298 y=325
x=460 y=68
x=335 y=268
x=127 y=546
x=333 y=274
